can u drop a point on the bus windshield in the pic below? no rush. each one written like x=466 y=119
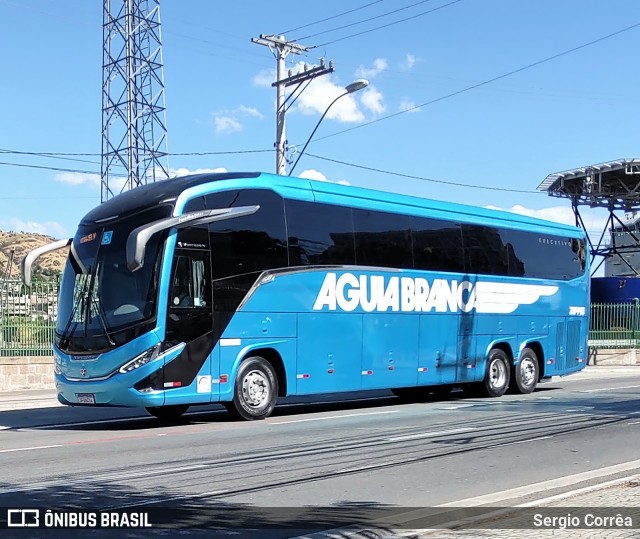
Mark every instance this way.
x=103 y=303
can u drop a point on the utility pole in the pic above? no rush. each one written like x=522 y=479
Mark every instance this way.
x=281 y=48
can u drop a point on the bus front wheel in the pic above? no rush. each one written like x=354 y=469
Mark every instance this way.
x=497 y=374
x=168 y=414
x=256 y=390
x=526 y=373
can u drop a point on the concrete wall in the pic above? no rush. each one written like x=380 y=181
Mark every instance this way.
x=620 y=356
x=28 y=372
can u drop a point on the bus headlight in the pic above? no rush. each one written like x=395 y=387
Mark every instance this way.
x=141 y=360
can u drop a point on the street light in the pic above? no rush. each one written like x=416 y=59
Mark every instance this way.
x=350 y=88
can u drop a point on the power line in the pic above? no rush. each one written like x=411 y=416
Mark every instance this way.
x=50 y=156
x=421 y=178
x=332 y=17
x=389 y=24
x=366 y=20
x=234 y=152
x=95 y=173
x=485 y=82
x=54 y=154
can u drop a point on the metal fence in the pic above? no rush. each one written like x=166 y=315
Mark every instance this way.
x=27 y=318
x=615 y=325
x=28 y=315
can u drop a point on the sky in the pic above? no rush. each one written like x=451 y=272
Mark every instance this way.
x=469 y=101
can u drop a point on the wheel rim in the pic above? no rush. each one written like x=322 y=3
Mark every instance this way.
x=256 y=389
x=527 y=371
x=497 y=374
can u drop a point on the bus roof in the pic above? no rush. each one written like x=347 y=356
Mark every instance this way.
x=168 y=192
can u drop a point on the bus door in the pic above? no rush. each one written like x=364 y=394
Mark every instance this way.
x=438 y=349
x=190 y=320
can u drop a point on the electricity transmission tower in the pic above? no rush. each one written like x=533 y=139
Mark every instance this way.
x=134 y=136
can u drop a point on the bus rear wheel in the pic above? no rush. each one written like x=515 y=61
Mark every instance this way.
x=256 y=390
x=168 y=414
x=526 y=372
x=497 y=374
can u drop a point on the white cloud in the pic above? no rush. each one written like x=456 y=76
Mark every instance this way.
x=558 y=214
x=94 y=181
x=47 y=228
x=78 y=178
x=176 y=172
x=227 y=124
x=319 y=95
x=265 y=78
x=372 y=99
x=312 y=174
x=379 y=65
x=249 y=111
x=228 y=121
x=407 y=105
x=408 y=63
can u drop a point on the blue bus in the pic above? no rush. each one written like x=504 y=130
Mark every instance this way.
x=239 y=288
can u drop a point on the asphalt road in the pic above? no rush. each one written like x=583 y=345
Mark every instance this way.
x=369 y=451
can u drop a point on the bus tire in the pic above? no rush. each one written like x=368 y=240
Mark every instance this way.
x=256 y=390
x=168 y=414
x=526 y=372
x=497 y=374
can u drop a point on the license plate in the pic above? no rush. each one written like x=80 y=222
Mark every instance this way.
x=86 y=398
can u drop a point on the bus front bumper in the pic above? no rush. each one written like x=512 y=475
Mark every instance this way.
x=114 y=391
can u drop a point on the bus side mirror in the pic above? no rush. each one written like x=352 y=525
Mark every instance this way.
x=139 y=237
x=26 y=266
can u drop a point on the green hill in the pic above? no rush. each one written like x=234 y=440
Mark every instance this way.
x=15 y=245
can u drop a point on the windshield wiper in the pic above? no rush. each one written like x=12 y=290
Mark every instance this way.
x=100 y=312
x=66 y=334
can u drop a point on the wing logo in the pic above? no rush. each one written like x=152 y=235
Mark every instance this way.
x=505 y=298
x=373 y=293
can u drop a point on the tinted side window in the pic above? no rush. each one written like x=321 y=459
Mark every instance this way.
x=544 y=256
x=252 y=243
x=485 y=250
x=382 y=239
x=319 y=234
x=437 y=245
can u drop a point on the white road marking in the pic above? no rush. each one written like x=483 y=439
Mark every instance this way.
x=582 y=490
x=330 y=417
x=559 y=482
x=30 y=448
x=525 y=441
x=427 y=434
x=506 y=511
x=84 y=423
x=607 y=389
x=455 y=407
